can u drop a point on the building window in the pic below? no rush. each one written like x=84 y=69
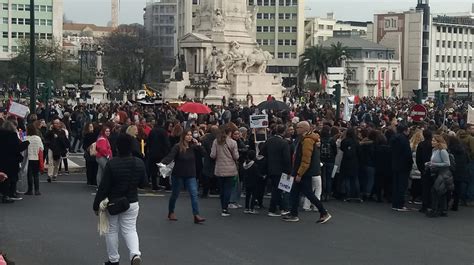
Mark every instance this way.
x=437 y=58
x=448 y=59
x=449 y=44
x=465 y=45
x=43 y=8
x=281 y=16
x=287 y=29
x=280 y=55
x=294 y=29
x=293 y=42
x=259 y=15
x=454 y=59
x=454 y=44
x=436 y=74
x=5 y=34
x=5 y=20
x=272 y=29
x=5 y=6
x=280 y=42
x=443 y=44
x=259 y=28
x=330 y=27
x=14 y=35
x=14 y=48
x=49 y=36
x=14 y=20
x=294 y=56
x=50 y=22
x=50 y=8
x=442 y=58
x=287 y=16
x=21 y=7
x=5 y=48
x=459 y=74
x=321 y=26
x=281 y=29
x=464 y=74
x=287 y=42
x=320 y=39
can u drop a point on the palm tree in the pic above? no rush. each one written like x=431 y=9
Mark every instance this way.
x=335 y=54
x=313 y=63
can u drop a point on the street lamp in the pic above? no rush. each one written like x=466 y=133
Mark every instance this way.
x=445 y=73
x=469 y=78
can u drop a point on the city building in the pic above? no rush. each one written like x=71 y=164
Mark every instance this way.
x=75 y=35
x=160 y=24
x=16 y=23
x=371 y=69
x=320 y=29
x=280 y=31
x=436 y=49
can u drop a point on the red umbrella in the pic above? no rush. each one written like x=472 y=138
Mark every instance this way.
x=193 y=107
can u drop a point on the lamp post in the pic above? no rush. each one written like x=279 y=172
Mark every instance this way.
x=445 y=73
x=469 y=79
x=32 y=84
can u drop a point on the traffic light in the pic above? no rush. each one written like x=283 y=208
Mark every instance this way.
x=417 y=95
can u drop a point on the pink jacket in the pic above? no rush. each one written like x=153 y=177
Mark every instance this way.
x=226 y=156
x=103 y=148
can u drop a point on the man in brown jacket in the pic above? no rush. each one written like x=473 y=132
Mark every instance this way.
x=307 y=164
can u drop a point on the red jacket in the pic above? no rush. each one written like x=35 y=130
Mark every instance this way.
x=103 y=148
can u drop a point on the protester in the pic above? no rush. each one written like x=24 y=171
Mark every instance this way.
x=89 y=136
x=103 y=151
x=443 y=180
x=278 y=161
x=461 y=172
x=34 y=149
x=402 y=161
x=10 y=155
x=121 y=177
x=252 y=175
x=57 y=144
x=350 y=165
x=185 y=155
x=306 y=165
x=424 y=151
x=225 y=151
x=328 y=159
x=208 y=163
x=159 y=146
x=415 y=174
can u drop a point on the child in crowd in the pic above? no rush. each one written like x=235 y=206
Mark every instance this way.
x=252 y=176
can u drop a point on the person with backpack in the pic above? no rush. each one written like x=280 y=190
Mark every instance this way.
x=328 y=158
x=350 y=165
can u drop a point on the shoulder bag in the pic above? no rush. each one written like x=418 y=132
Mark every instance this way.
x=121 y=204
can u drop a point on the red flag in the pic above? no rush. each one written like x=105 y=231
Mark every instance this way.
x=323 y=82
x=387 y=80
x=379 y=84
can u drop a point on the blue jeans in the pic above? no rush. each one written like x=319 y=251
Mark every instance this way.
x=370 y=177
x=327 y=178
x=191 y=185
x=225 y=186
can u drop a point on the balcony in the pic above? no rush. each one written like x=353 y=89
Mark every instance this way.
x=371 y=82
x=353 y=82
x=395 y=82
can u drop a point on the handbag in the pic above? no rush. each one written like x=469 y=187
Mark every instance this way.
x=121 y=204
x=41 y=161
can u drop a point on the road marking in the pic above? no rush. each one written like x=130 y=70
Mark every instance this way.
x=141 y=195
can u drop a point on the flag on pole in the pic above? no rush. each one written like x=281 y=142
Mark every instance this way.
x=379 y=84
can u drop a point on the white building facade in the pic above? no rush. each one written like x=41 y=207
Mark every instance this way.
x=372 y=70
x=16 y=23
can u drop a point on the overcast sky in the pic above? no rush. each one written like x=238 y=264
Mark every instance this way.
x=131 y=11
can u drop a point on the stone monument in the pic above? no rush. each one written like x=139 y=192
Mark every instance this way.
x=222 y=52
x=98 y=93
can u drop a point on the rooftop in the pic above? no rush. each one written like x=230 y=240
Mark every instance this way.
x=353 y=43
x=81 y=27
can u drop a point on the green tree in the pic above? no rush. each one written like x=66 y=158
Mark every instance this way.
x=313 y=63
x=130 y=57
x=335 y=54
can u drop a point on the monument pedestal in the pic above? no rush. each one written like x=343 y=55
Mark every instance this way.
x=259 y=86
x=98 y=94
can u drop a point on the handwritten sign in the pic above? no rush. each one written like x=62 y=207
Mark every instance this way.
x=470 y=115
x=258 y=121
x=18 y=109
x=286 y=182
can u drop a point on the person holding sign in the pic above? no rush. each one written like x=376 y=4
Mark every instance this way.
x=307 y=164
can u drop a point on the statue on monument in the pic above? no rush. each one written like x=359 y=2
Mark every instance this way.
x=259 y=60
x=218 y=20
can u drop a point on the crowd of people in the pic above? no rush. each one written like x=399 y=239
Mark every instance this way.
x=377 y=154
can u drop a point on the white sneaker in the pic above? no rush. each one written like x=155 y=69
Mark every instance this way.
x=307 y=210
x=253 y=212
x=247 y=211
x=283 y=213
x=225 y=214
x=239 y=206
x=232 y=206
x=274 y=214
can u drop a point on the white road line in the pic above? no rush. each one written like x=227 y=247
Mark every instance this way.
x=142 y=195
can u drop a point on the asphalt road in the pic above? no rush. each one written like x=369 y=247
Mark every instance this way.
x=60 y=228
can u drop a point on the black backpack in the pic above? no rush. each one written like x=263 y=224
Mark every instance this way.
x=326 y=150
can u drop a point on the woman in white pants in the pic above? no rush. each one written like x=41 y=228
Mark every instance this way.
x=317 y=188
x=121 y=178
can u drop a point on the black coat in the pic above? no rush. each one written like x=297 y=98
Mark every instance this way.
x=402 y=157
x=57 y=142
x=383 y=161
x=350 y=158
x=461 y=157
x=251 y=174
x=423 y=154
x=158 y=144
x=209 y=164
x=367 y=153
x=122 y=175
x=184 y=163
x=10 y=153
x=278 y=158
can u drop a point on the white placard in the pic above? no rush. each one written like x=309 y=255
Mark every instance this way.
x=470 y=115
x=96 y=100
x=18 y=109
x=258 y=121
x=286 y=182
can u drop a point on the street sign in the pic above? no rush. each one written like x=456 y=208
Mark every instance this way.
x=336 y=77
x=335 y=70
x=418 y=112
